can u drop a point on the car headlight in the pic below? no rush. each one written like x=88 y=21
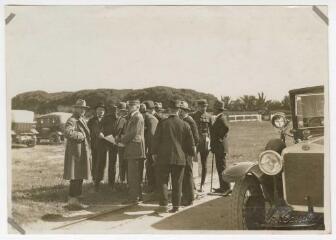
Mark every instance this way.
x=270 y=162
x=279 y=120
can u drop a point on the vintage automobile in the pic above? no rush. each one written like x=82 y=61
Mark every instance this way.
x=51 y=126
x=23 y=128
x=284 y=188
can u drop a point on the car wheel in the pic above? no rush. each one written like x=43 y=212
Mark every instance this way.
x=55 y=139
x=247 y=205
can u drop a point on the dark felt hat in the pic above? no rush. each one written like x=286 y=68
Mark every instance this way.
x=149 y=104
x=101 y=105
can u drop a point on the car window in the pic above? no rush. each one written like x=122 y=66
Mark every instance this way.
x=310 y=110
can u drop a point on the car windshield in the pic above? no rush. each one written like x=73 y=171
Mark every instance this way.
x=310 y=110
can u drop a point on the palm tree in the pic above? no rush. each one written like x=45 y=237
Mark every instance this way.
x=227 y=101
x=249 y=102
x=261 y=101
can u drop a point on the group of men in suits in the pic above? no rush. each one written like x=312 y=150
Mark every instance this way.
x=169 y=144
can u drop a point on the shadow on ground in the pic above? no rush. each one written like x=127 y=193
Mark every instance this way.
x=211 y=215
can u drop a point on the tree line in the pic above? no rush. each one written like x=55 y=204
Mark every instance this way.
x=42 y=102
x=257 y=102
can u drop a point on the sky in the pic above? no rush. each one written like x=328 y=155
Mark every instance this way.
x=222 y=50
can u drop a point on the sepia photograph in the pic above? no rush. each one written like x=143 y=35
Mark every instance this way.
x=167 y=119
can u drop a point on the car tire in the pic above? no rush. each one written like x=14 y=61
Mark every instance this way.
x=247 y=210
x=55 y=139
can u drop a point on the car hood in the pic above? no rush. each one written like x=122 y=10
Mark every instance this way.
x=315 y=145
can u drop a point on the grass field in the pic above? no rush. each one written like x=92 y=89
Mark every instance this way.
x=38 y=189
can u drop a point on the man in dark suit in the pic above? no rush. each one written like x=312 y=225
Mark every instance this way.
x=134 y=152
x=219 y=144
x=172 y=141
x=188 y=184
x=151 y=123
x=98 y=147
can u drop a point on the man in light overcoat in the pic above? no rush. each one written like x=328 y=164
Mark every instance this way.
x=77 y=160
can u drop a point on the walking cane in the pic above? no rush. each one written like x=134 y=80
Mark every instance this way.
x=212 y=164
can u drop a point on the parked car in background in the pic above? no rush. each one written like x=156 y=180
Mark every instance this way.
x=284 y=188
x=23 y=128
x=51 y=126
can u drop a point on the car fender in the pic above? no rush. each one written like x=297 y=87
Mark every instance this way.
x=240 y=170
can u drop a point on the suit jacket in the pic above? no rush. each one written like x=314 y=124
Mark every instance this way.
x=108 y=124
x=151 y=123
x=77 y=159
x=218 y=135
x=96 y=127
x=193 y=128
x=172 y=141
x=133 y=139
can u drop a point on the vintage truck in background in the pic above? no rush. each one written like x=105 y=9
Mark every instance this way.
x=23 y=128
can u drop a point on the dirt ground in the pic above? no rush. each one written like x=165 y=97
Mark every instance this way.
x=39 y=192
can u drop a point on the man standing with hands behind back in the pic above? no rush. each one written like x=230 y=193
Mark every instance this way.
x=172 y=142
x=219 y=144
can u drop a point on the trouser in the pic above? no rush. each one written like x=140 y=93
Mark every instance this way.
x=150 y=172
x=134 y=181
x=75 y=188
x=98 y=162
x=113 y=153
x=176 y=172
x=122 y=165
x=204 y=156
x=188 y=184
x=220 y=166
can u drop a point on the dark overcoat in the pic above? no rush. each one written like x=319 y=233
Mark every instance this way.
x=133 y=139
x=151 y=123
x=172 y=141
x=77 y=160
x=219 y=135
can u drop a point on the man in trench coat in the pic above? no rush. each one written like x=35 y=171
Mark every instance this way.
x=77 y=160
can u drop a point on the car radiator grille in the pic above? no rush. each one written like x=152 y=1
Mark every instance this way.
x=303 y=176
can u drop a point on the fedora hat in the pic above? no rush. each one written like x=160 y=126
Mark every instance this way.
x=149 y=104
x=219 y=105
x=184 y=105
x=80 y=103
x=101 y=105
x=202 y=102
x=121 y=106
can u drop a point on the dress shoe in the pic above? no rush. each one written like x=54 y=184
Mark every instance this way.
x=186 y=204
x=174 y=210
x=74 y=204
x=162 y=209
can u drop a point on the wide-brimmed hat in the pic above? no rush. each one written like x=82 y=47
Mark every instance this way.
x=121 y=106
x=219 y=105
x=184 y=105
x=202 y=102
x=81 y=103
x=100 y=105
x=149 y=104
